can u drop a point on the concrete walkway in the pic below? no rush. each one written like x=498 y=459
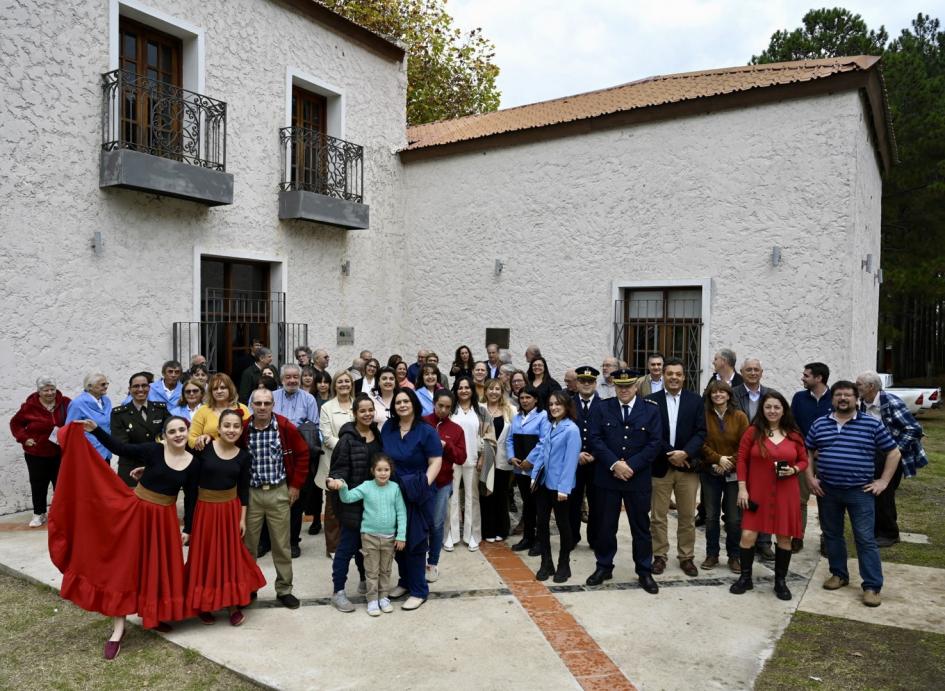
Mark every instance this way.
x=490 y=625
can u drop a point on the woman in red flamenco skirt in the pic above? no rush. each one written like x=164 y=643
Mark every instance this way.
x=220 y=572
x=771 y=455
x=120 y=550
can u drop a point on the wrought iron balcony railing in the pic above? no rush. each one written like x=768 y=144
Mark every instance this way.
x=315 y=162
x=161 y=119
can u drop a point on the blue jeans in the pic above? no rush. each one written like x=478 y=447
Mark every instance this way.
x=862 y=509
x=442 y=500
x=716 y=492
x=348 y=545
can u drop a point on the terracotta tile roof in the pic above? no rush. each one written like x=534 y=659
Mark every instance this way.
x=645 y=93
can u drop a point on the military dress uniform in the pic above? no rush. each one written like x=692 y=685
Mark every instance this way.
x=133 y=426
x=584 y=479
x=636 y=439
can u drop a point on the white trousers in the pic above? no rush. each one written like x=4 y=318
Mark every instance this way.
x=467 y=475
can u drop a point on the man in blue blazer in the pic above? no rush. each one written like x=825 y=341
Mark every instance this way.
x=586 y=400
x=676 y=468
x=625 y=435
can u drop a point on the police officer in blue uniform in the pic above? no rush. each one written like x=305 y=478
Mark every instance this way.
x=586 y=400
x=625 y=435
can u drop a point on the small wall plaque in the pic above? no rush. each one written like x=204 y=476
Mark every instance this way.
x=345 y=336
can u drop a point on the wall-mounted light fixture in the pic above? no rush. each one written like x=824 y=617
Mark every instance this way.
x=878 y=277
x=775 y=256
x=98 y=244
x=499 y=265
x=867 y=264
x=346 y=267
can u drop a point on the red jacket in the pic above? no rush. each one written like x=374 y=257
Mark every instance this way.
x=294 y=450
x=454 y=447
x=33 y=421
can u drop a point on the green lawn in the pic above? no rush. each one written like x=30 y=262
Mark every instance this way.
x=48 y=643
x=819 y=652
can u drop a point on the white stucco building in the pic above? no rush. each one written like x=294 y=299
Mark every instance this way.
x=142 y=218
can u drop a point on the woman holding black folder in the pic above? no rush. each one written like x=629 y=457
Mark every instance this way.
x=552 y=482
x=524 y=447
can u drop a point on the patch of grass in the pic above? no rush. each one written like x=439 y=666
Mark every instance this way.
x=920 y=502
x=844 y=654
x=48 y=643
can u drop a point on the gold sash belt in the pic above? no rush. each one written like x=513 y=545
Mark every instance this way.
x=216 y=496
x=154 y=497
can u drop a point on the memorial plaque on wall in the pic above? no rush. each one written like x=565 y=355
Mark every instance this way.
x=345 y=336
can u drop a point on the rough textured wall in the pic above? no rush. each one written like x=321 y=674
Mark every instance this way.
x=67 y=311
x=866 y=220
x=705 y=196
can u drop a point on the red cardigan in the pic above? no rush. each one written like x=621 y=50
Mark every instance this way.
x=294 y=450
x=33 y=421
x=454 y=447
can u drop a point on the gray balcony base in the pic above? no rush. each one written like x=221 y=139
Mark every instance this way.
x=139 y=171
x=311 y=206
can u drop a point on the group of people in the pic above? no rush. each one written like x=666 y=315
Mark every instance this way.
x=403 y=461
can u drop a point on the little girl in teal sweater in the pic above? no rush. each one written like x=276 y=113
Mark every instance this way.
x=383 y=528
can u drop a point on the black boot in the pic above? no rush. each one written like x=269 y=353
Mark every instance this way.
x=564 y=569
x=744 y=583
x=782 y=560
x=546 y=570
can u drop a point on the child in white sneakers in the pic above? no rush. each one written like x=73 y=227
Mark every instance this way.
x=383 y=528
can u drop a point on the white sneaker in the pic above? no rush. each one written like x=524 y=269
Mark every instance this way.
x=39 y=520
x=373 y=608
x=398 y=591
x=490 y=539
x=385 y=605
x=448 y=546
x=412 y=603
x=473 y=546
x=432 y=573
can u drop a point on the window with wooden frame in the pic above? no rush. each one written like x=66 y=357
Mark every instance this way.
x=151 y=103
x=660 y=320
x=309 y=151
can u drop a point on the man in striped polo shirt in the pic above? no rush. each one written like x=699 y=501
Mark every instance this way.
x=844 y=445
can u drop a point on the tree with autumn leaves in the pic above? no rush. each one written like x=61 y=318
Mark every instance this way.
x=912 y=297
x=450 y=73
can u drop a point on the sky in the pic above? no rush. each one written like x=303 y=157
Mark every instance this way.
x=548 y=49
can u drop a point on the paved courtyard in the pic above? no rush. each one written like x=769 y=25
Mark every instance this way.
x=490 y=625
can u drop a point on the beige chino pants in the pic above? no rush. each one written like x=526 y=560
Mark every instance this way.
x=685 y=486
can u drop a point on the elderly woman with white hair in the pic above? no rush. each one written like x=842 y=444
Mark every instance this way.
x=93 y=404
x=32 y=426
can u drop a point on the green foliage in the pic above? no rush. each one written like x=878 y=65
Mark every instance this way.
x=826 y=33
x=449 y=73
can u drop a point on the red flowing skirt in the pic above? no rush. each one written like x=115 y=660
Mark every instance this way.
x=220 y=571
x=118 y=554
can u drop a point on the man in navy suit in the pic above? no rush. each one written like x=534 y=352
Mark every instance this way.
x=625 y=436
x=676 y=468
x=586 y=401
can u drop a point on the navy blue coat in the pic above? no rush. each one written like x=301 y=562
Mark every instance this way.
x=638 y=442
x=690 y=430
x=584 y=422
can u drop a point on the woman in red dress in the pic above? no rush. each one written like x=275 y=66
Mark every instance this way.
x=770 y=457
x=220 y=572
x=120 y=550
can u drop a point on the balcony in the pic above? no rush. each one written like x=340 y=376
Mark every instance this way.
x=162 y=139
x=322 y=179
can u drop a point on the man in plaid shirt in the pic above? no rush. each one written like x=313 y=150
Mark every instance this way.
x=278 y=470
x=907 y=433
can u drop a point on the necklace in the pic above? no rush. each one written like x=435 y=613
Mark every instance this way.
x=771 y=432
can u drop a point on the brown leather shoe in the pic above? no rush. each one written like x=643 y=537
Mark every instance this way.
x=709 y=563
x=734 y=565
x=659 y=565
x=688 y=567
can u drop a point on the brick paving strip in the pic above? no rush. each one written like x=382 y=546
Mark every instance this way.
x=591 y=667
